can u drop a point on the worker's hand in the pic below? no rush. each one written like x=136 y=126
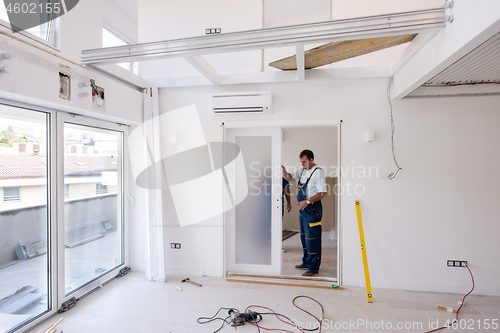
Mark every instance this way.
x=288 y=207
x=283 y=168
x=302 y=205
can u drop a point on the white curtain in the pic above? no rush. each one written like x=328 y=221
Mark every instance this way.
x=155 y=269
x=145 y=158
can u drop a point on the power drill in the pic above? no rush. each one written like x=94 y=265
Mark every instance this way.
x=239 y=319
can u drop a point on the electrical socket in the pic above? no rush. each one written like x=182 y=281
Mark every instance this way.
x=175 y=246
x=456 y=263
x=211 y=31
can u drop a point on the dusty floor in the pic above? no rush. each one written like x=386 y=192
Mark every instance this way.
x=133 y=304
x=81 y=264
x=293 y=256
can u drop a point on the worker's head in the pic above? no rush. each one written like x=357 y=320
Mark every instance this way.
x=307 y=159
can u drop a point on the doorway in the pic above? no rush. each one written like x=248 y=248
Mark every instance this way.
x=323 y=142
x=320 y=136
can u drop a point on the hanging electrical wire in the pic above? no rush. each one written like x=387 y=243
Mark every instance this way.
x=393 y=129
x=461 y=304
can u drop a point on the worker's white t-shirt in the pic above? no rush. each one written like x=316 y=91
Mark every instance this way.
x=317 y=182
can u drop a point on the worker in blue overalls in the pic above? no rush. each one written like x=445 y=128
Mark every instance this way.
x=311 y=188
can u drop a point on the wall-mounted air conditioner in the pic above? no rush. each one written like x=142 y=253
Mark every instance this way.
x=243 y=102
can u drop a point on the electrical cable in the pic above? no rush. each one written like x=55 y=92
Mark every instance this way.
x=393 y=129
x=461 y=305
x=254 y=318
x=322 y=311
x=207 y=320
x=291 y=323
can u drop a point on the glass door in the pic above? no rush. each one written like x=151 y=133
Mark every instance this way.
x=27 y=238
x=92 y=241
x=253 y=226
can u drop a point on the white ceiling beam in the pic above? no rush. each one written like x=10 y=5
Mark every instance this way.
x=320 y=32
x=325 y=74
x=203 y=66
x=301 y=62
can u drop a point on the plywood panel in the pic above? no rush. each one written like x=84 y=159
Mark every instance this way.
x=337 y=51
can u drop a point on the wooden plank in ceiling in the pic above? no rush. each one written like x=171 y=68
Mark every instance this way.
x=337 y=51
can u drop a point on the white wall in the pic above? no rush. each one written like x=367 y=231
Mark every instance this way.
x=163 y=20
x=35 y=80
x=436 y=209
x=81 y=28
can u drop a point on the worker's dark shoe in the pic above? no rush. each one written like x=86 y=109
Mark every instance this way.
x=309 y=274
x=300 y=267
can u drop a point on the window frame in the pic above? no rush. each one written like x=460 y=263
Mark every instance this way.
x=52 y=278
x=126 y=39
x=52 y=42
x=18 y=194
x=55 y=208
x=122 y=192
x=101 y=189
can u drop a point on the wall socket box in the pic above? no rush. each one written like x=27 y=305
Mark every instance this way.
x=456 y=263
x=211 y=31
x=175 y=246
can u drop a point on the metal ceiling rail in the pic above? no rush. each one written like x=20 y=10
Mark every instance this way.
x=338 y=30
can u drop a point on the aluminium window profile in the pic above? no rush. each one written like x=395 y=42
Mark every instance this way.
x=338 y=30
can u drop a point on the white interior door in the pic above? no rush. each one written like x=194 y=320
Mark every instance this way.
x=253 y=208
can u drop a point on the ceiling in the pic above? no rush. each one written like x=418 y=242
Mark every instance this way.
x=481 y=65
x=129 y=7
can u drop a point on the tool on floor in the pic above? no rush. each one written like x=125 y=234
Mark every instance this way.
x=239 y=319
x=51 y=328
x=363 y=253
x=192 y=282
x=236 y=318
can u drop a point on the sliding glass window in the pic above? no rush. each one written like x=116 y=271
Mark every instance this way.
x=25 y=233
x=93 y=205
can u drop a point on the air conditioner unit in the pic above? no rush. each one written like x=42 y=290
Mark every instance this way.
x=245 y=102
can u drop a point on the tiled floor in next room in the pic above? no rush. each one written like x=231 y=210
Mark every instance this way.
x=133 y=304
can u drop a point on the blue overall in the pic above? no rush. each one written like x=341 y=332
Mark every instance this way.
x=310 y=228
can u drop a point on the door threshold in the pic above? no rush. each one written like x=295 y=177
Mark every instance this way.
x=285 y=277
x=284 y=282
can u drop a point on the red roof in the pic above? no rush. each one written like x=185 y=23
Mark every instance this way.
x=32 y=166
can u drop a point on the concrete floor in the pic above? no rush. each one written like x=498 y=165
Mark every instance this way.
x=133 y=304
x=293 y=256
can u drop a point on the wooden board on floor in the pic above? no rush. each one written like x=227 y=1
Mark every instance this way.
x=317 y=284
x=337 y=51
x=286 y=277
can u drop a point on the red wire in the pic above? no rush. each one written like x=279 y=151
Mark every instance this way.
x=461 y=305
